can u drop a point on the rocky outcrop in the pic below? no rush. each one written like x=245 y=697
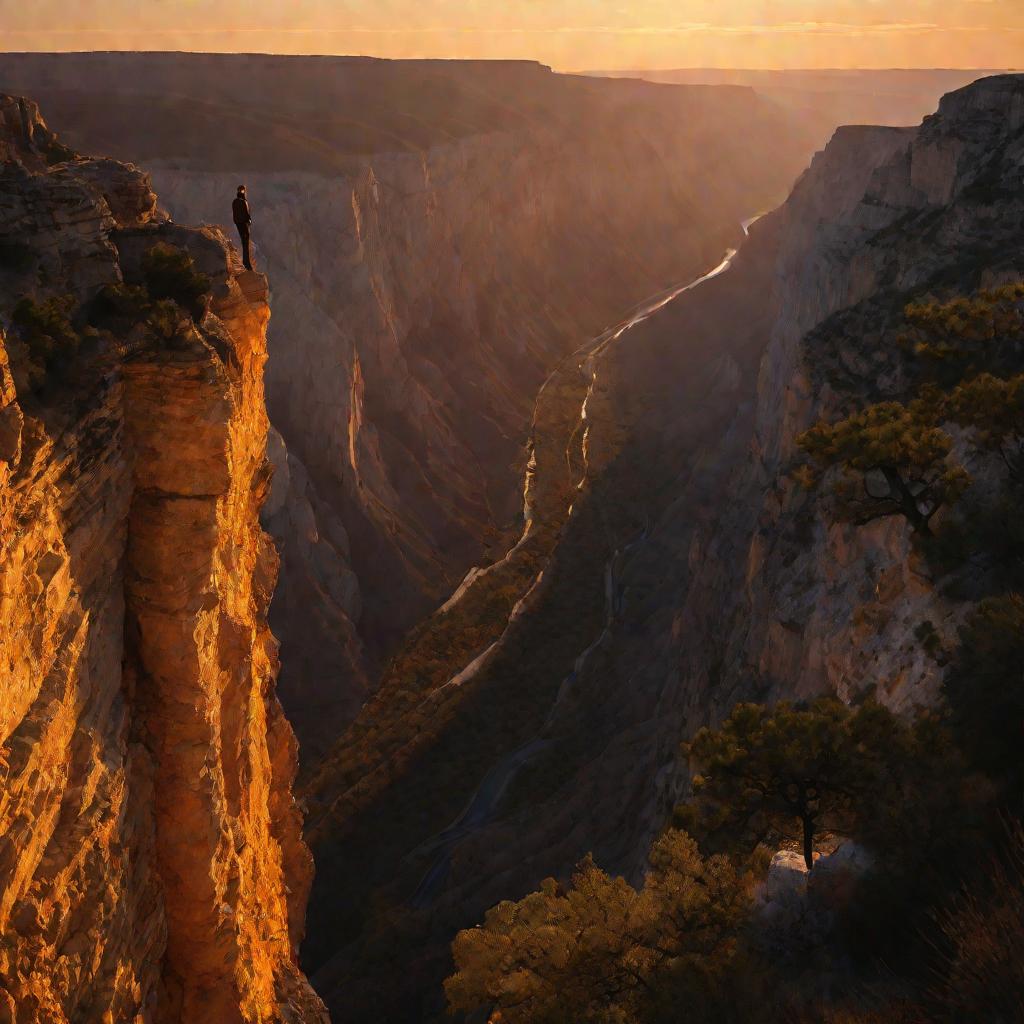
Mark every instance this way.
x=439 y=235
x=825 y=606
x=152 y=861
x=796 y=910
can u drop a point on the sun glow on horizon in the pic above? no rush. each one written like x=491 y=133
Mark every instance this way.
x=568 y=34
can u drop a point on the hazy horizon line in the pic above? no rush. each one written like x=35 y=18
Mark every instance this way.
x=519 y=60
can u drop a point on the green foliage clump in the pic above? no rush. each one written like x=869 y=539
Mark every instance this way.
x=791 y=772
x=600 y=949
x=968 y=363
x=164 y=319
x=895 y=462
x=925 y=830
x=119 y=306
x=48 y=334
x=972 y=352
x=985 y=689
x=993 y=409
x=968 y=335
x=170 y=274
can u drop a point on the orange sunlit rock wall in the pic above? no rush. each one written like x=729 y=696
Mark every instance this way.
x=151 y=862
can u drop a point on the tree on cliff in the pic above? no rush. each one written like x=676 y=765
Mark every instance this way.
x=791 y=772
x=968 y=335
x=894 y=461
x=994 y=410
x=50 y=339
x=600 y=949
x=170 y=275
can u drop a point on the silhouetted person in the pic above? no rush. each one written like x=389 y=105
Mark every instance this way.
x=240 y=211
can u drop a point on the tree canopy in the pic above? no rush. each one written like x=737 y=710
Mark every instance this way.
x=993 y=408
x=968 y=334
x=967 y=358
x=170 y=274
x=596 y=950
x=791 y=771
x=894 y=462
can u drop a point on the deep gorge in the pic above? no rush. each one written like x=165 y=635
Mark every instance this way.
x=483 y=695
x=425 y=282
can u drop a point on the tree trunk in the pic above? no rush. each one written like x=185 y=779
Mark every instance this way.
x=809 y=843
x=907 y=502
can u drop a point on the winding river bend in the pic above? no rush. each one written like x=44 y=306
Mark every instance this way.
x=483 y=805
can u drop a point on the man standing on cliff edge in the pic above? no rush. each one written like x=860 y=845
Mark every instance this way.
x=240 y=212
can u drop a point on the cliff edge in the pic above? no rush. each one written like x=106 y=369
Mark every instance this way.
x=152 y=861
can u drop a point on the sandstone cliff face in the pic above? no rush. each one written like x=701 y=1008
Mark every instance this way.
x=439 y=235
x=152 y=862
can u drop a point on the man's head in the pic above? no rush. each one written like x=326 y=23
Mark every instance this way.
x=241 y=190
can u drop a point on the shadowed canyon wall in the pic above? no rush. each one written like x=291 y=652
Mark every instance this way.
x=438 y=236
x=537 y=717
x=152 y=861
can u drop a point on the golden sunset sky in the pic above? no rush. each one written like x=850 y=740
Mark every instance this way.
x=569 y=34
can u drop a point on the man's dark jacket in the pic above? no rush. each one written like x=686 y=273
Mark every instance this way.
x=240 y=211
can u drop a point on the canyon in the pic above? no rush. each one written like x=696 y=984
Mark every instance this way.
x=438 y=236
x=672 y=564
x=524 y=554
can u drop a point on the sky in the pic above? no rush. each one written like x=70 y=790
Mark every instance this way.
x=568 y=34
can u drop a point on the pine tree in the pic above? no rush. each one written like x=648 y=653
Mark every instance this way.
x=894 y=462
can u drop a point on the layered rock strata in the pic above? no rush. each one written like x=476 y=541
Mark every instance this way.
x=152 y=867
